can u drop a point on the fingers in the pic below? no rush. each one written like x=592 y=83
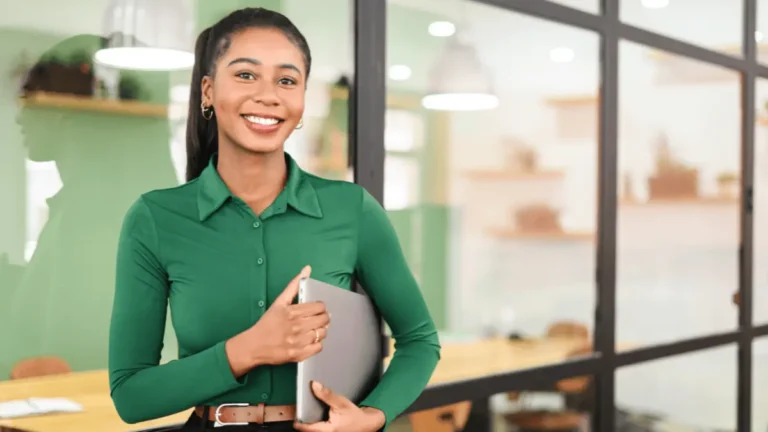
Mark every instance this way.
x=315 y=322
x=309 y=350
x=330 y=397
x=306 y=309
x=316 y=335
x=313 y=427
x=292 y=289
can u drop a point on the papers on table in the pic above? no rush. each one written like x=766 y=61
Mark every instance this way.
x=37 y=406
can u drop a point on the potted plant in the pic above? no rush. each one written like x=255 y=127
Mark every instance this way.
x=54 y=74
x=130 y=88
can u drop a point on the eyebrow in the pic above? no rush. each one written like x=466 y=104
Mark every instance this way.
x=257 y=62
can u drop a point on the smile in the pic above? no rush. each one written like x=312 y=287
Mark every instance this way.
x=264 y=121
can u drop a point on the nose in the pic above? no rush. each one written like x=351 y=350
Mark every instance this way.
x=266 y=94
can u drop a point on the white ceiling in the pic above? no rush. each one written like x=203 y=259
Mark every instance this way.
x=514 y=46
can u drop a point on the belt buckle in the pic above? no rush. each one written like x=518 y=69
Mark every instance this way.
x=218 y=414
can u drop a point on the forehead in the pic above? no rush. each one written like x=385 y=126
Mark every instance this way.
x=269 y=46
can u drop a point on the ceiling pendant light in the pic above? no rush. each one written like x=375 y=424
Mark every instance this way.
x=459 y=81
x=148 y=35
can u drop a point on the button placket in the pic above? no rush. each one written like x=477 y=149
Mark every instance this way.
x=259 y=289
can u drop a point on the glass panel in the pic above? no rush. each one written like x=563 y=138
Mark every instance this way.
x=488 y=198
x=673 y=18
x=759 y=384
x=691 y=392
x=760 y=278
x=678 y=215
x=761 y=33
x=88 y=139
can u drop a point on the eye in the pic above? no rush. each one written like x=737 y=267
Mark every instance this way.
x=287 y=81
x=246 y=76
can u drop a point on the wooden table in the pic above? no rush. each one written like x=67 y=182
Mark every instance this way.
x=91 y=389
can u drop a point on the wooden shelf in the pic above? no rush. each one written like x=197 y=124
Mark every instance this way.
x=84 y=103
x=585 y=99
x=514 y=233
x=513 y=175
x=691 y=201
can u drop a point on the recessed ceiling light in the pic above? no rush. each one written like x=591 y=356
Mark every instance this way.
x=561 y=55
x=399 y=72
x=442 y=29
x=759 y=36
x=655 y=4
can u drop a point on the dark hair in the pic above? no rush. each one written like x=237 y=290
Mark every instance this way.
x=212 y=43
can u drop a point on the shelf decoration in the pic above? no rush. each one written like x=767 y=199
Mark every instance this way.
x=672 y=179
x=54 y=74
x=537 y=218
x=522 y=157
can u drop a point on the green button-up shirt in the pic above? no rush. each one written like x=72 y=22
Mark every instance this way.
x=201 y=250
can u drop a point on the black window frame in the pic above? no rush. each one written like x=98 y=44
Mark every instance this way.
x=367 y=108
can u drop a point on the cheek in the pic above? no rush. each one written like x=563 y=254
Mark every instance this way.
x=226 y=100
x=295 y=105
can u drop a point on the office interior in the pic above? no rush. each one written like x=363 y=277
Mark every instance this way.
x=585 y=227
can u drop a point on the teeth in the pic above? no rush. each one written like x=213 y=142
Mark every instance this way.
x=261 y=120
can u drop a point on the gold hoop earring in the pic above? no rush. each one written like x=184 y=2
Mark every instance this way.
x=301 y=123
x=206 y=110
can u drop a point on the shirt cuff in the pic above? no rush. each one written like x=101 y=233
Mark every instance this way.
x=222 y=365
x=372 y=403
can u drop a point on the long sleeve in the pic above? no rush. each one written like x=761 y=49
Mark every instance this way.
x=141 y=388
x=387 y=279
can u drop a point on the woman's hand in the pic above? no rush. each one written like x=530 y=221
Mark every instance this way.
x=344 y=415
x=285 y=333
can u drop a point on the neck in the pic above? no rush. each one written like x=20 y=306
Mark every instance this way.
x=256 y=178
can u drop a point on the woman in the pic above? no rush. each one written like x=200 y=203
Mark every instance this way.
x=227 y=248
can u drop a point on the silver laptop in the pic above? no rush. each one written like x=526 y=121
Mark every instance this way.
x=351 y=359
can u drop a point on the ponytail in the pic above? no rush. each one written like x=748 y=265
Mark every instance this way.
x=202 y=134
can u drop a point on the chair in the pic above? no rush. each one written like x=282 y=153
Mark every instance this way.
x=449 y=418
x=564 y=329
x=568 y=329
x=566 y=420
x=39 y=366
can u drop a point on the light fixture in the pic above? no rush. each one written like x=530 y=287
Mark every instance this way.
x=148 y=35
x=655 y=4
x=561 y=55
x=459 y=81
x=399 y=72
x=442 y=29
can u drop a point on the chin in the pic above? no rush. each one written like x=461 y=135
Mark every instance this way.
x=262 y=146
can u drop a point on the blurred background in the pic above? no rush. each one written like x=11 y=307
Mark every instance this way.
x=493 y=196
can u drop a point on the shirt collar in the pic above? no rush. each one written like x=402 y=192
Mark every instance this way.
x=299 y=193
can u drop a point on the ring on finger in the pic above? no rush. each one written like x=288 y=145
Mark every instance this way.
x=317 y=336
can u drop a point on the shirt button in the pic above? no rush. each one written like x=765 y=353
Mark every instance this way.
x=256 y=224
x=261 y=303
x=260 y=261
x=264 y=396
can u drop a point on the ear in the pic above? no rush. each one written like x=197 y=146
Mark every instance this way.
x=206 y=86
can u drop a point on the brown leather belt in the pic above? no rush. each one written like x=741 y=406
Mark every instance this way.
x=229 y=414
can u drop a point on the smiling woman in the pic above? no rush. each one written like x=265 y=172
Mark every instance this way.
x=221 y=250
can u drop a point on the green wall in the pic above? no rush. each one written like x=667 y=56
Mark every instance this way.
x=59 y=303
